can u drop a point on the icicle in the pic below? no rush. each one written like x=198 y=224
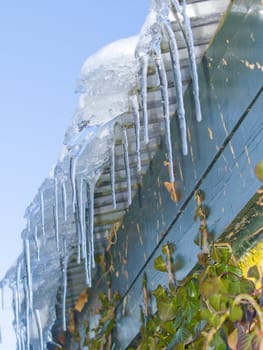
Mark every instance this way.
x=29 y=276
x=2 y=297
x=165 y=103
x=27 y=311
x=40 y=331
x=136 y=115
x=64 y=296
x=112 y=173
x=91 y=189
x=56 y=213
x=127 y=165
x=64 y=199
x=73 y=165
x=143 y=60
x=16 y=312
x=192 y=60
x=174 y=54
x=42 y=205
x=37 y=243
x=82 y=218
x=76 y=216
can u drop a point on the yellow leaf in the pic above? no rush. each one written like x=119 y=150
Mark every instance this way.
x=173 y=190
x=82 y=300
x=232 y=340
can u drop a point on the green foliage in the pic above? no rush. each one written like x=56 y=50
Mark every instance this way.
x=213 y=308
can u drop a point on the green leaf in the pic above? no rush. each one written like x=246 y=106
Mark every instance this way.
x=259 y=170
x=236 y=313
x=246 y=286
x=166 y=310
x=210 y=286
x=253 y=272
x=215 y=301
x=219 y=343
x=159 y=264
x=159 y=293
x=192 y=289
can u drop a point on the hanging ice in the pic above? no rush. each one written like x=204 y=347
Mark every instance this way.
x=64 y=199
x=37 y=242
x=56 y=212
x=137 y=126
x=114 y=88
x=40 y=331
x=143 y=60
x=64 y=296
x=175 y=64
x=127 y=165
x=42 y=213
x=28 y=275
x=112 y=172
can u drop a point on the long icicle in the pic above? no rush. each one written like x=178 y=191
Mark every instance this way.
x=56 y=213
x=127 y=165
x=42 y=205
x=91 y=190
x=64 y=296
x=37 y=243
x=175 y=60
x=27 y=315
x=40 y=331
x=165 y=103
x=64 y=199
x=18 y=278
x=144 y=61
x=81 y=206
x=136 y=116
x=188 y=35
x=112 y=172
x=28 y=272
x=2 y=297
x=16 y=312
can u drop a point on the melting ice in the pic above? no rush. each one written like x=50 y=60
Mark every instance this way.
x=113 y=82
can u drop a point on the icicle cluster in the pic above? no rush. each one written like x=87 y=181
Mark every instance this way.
x=67 y=197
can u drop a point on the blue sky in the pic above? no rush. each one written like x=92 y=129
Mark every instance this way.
x=43 y=45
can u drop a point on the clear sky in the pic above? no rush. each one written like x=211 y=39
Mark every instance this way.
x=43 y=45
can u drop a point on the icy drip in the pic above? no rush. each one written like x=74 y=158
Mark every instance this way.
x=82 y=207
x=2 y=297
x=175 y=64
x=27 y=315
x=39 y=328
x=28 y=274
x=42 y=206
x=144 y=61
x=73 y=165
x=126 y=164
x=192 y=60
x=64 y=200
x=17 y=319
x=64 y=296
x=37 y=243
x=185 y=25
x=56 y=212
x=165 y=104
x=90 y=192
x=112 y=172
x=136 y=116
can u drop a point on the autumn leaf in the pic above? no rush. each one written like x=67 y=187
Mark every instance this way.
x=82 y=300
x=172 y=188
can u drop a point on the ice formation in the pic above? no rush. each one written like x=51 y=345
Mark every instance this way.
x=113 y=83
